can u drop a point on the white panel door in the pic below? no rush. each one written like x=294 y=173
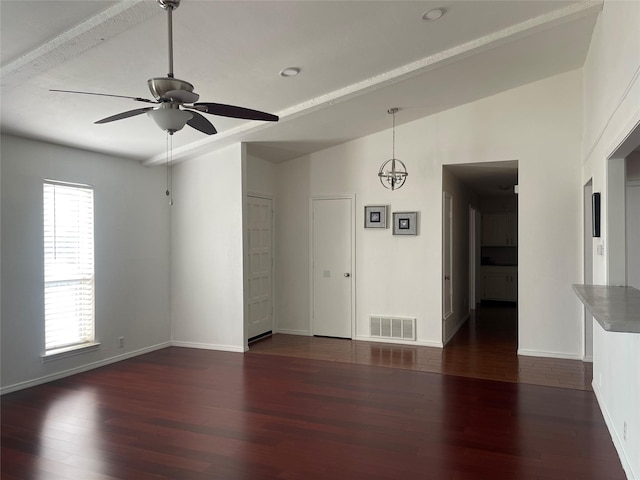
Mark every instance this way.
x=331 y=266
x=259 y=301
x=447 y=255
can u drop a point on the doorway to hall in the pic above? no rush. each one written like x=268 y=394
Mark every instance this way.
x=485 y=264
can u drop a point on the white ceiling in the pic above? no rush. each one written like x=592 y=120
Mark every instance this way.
x=358 y=58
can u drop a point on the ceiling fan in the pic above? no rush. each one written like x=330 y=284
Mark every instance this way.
x=177 y=102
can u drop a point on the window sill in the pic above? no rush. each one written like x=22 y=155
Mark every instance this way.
x=59 y=353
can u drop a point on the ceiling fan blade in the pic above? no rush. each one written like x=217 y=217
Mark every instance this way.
x=236 y=112
x=120 y=116
x=200 y=123
x=137 y=99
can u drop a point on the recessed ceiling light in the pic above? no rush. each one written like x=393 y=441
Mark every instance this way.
x=434 y=14
x=290 y=72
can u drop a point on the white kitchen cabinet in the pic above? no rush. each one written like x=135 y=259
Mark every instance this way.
x=499 y=283
x=499 y=230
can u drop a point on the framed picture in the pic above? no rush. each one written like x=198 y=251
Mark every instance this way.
x=375 y=216
x=405 y=223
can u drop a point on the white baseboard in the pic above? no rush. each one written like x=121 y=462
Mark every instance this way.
x=83 y=368
x=617 y=441
x=455 y=330
x=210 y=346
x=588 y=359
x=546 y=354
x=286 y=331
x=399 y=342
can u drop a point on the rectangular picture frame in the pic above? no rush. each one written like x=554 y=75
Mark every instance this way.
x=405 y=223
x=375 y=216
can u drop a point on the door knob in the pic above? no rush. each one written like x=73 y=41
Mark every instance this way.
x=347 y=275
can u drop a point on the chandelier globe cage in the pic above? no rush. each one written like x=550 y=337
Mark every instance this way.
x=393 y=173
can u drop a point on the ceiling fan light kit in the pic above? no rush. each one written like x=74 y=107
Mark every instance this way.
x=170 y=118
x=176 y=99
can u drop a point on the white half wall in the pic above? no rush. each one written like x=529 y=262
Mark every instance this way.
x=540 y=125
x=207 y=282
x=612 y=112
x=131 y=257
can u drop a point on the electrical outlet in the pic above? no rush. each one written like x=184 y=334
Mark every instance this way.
x=624 y=432
x=121 y=342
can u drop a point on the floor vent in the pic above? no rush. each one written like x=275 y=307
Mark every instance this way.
x=392 y=327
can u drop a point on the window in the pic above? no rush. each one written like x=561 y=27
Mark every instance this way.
x=68 y=266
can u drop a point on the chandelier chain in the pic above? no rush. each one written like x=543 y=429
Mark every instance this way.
x=393 y=148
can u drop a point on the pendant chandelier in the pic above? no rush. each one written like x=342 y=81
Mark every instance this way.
x=393 y=172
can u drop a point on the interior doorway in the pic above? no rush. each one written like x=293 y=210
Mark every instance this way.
x=485 y=256
x=633 y=219
x=623 y=176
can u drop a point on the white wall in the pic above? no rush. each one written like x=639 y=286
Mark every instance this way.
x=292 y=247
x=261 y=176
x=633 y=166
x=207 y=294
x=131 y=257
x=402 y=275
x=612 y=110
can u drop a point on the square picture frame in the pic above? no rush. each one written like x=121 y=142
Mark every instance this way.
x=375 y=216
x=405 y=223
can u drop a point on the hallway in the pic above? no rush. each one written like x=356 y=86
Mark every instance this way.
x=484 y=347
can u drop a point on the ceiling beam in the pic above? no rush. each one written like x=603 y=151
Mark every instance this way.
x=93 y=31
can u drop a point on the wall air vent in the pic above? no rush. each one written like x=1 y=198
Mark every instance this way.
x=392 y=327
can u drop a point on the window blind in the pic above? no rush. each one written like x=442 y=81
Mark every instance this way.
x=68 y=265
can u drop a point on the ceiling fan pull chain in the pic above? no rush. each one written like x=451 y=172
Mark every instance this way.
x=167 y=192
x=171 y=171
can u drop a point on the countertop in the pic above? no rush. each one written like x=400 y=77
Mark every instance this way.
x=616 y=309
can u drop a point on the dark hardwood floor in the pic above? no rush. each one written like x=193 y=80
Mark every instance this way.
x=196 y=414
x=484 y=347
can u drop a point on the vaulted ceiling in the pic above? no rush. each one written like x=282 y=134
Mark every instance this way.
x=357 y=59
